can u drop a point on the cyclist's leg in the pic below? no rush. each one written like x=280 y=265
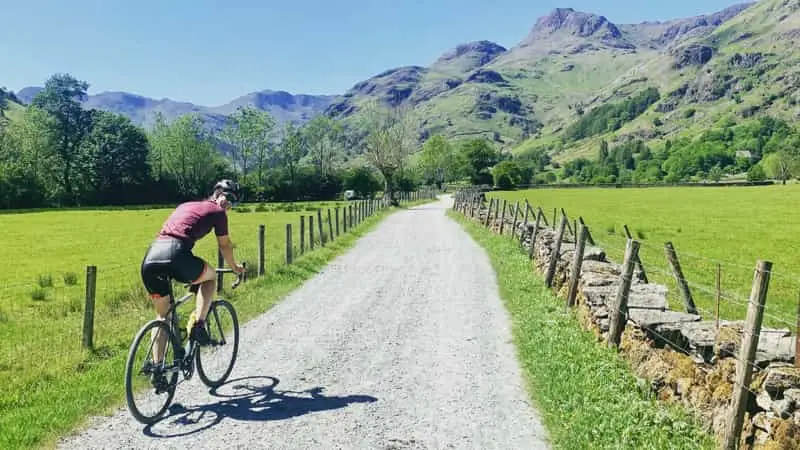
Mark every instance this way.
x=208 y=285
x=189 y=268
x=155 y=276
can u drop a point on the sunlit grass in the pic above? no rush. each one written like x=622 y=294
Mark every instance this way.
x=49 y=382
x=732 y=227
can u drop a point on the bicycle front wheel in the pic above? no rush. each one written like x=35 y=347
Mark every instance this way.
x=215 y=361
x=142 y=372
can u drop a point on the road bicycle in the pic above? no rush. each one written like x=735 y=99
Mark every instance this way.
x=179 y=358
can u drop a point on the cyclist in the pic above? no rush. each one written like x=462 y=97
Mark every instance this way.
x=170 y=257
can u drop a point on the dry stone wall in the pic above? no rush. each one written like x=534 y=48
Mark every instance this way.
x=681 y=357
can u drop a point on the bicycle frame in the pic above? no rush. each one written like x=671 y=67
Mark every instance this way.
x=174 y=304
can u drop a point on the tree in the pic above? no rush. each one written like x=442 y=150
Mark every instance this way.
x=323 y=136
x=715 y=174
x=61 y=97
x=507 y=174
x=362 y=181
x=184 y=154
x=437 y=160
x=27 y=156
x=389 y=138
x=113 y=160
x=780 y=165
x=249 y=131
x=602 y=154
x=480 y=155
x=756 y=173
x=290 y=152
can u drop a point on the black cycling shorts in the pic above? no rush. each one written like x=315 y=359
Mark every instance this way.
x=169 y=259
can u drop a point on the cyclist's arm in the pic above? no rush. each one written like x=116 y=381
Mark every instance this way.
x=226 y=247
x=224 y=240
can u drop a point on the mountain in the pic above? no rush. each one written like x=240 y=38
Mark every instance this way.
x=718 y=70
x=537 y=88
x=576 y=78
x=142 y=110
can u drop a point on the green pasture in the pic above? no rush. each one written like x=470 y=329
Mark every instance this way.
x=729 y=227
x=42 y=291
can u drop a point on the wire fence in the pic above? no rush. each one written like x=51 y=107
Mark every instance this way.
x=64 y=308
x=711 y=311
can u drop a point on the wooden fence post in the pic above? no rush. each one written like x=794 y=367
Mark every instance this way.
x=262 y=261
x=544 y=218
x=503 y=217
x=330 y=225
x=551 y=269
x=638 y=259
x=489 y=212
x=569 y=227
x=747 y=354
x=527 y=208
x=311 y=232
x=337 y=221
x=88 y=310
x=302 y=234
x=472 y=204
x=577 y=262
x=589 y=237
x=534 y=233
x=288 y=243
x=220 y=264
x=619 y=313
x=683 y=285
x=514 y=226
x=320 y=225
x=350 y=207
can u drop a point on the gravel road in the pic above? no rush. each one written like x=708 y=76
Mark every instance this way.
x=402 y=343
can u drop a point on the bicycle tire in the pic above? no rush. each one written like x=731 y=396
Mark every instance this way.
x=129 y=390
x=212 y=322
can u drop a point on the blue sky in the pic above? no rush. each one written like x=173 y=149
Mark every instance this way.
x=207 y=53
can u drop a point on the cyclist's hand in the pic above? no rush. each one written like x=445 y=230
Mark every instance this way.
x=238 y=268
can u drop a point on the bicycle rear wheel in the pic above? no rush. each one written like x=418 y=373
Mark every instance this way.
x=215 y=361
x=160 y=378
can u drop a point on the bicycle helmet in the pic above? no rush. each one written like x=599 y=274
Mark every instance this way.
x=230 y=188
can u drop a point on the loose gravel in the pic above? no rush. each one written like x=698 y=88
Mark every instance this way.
x=401 y=343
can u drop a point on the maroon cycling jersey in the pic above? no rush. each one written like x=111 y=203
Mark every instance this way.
x=192 y=220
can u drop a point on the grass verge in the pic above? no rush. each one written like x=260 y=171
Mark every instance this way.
x=585 y=392
x=59 y=404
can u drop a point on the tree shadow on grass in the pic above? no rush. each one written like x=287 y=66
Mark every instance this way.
x=248 y=399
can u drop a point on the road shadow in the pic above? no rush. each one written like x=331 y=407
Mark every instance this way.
x=248 y=399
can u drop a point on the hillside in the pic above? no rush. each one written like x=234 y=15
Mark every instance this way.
x=726 y=65
x=746 y=67
x=142 y=110
x=539 y=86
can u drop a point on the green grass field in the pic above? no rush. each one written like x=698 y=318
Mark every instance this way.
x=585 y=392
x=732 y=227
x=49 y=382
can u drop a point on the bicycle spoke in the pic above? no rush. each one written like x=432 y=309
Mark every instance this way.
x=149 y=389
x=215 y=362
